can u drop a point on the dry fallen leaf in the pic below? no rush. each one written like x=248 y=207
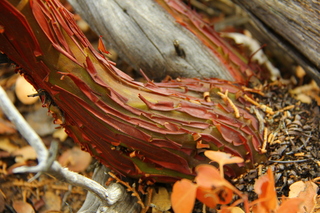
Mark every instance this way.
x=264 y=187
x=22 y=207
x=75 y=159
x=61 y=134
x=41 y=122
x=231 y=210
x=6 y=127
x=7 y=146
x=25 y=153
x=317 y=207
x=52 y=202
x=183 y=196
x=213 y=189
x=208 y=176
x=307 y=191
x=304 y=98
x=222 y=158
x=161 y=199
x=300 y=73
x=291 y=205
x=2 y=201
x=23 y=89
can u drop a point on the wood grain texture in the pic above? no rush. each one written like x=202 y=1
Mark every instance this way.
x=293 y=25
x=143 y=35
x=127 y=202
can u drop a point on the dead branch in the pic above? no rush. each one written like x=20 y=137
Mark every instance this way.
x=108 y=196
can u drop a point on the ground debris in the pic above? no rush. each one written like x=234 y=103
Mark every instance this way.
x=292 y=143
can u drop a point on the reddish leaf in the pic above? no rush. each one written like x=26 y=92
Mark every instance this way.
x=264 y=187
x=183 y=196
x=101 y=46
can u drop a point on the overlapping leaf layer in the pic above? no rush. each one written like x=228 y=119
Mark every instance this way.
x=154 y=131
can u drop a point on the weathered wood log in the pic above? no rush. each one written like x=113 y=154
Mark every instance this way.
x=125 y=203
x=144 y=25
x=293 y=26
x=143 y=34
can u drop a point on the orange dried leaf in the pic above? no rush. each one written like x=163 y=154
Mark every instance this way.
x=75 y=159
x=183 y=196
x=208 y=176
x=264 y=187
x=207 y=197
x=101 y=46
x=6 y=127
x=231 y=210
x=290 y=206
x=212 y=197
x=22 y=207
x=222 y=157
x=307 y=192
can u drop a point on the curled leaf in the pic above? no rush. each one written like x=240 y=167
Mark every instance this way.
x=212 y=197
x=264 y=187
x=209 y=176
x=307 y=191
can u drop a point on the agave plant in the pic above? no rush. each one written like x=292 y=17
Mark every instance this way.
x=153 y=131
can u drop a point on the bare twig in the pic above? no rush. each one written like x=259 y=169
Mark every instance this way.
x=55 y=169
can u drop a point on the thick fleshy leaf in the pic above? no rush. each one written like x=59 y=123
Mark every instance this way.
x=150 y=130
x=183 y=196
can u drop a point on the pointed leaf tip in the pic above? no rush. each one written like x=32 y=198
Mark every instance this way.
x=101 y=46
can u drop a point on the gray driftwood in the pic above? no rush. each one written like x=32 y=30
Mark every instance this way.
x=293 y=26
x=125 y=203
x=142 y=33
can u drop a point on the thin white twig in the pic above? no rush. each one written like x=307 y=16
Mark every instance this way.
x=62 y=174
x=26 y=131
